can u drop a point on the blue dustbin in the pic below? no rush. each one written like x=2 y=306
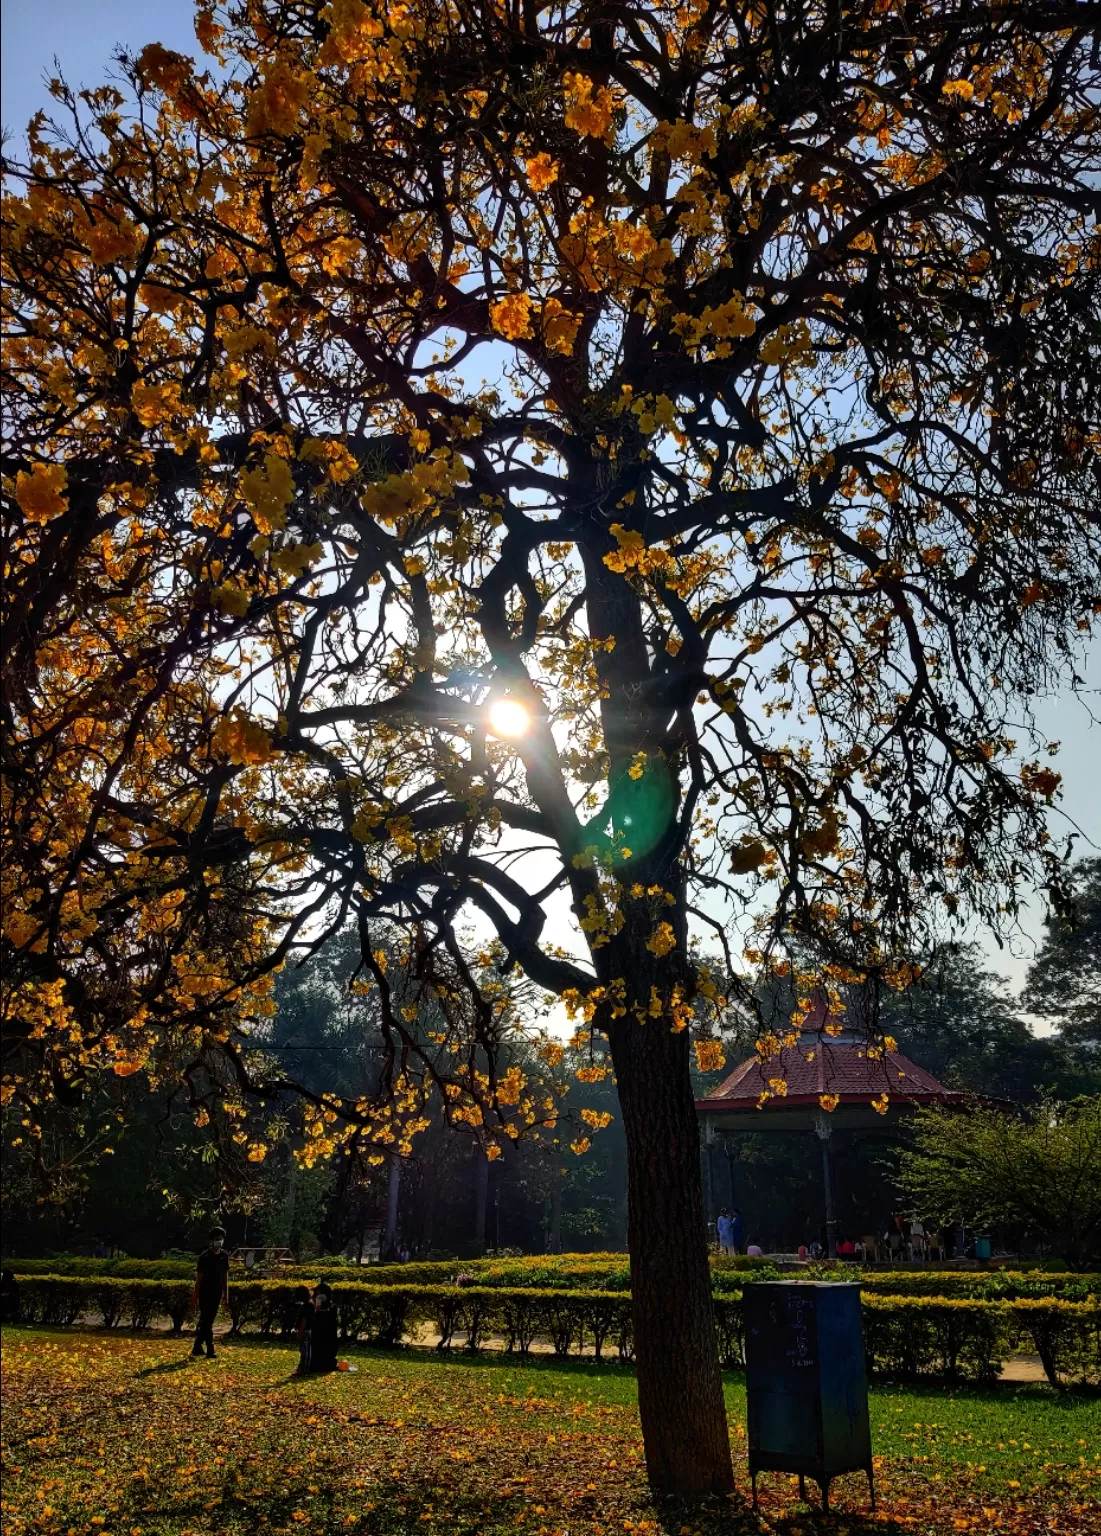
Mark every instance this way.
x=806 y=1384
x=982 y=1247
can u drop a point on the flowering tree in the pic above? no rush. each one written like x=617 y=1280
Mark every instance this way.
x=466 y=457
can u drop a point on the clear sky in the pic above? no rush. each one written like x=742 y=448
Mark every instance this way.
x=83 y=34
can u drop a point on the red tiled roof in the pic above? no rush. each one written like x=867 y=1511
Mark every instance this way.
x=822 y=1064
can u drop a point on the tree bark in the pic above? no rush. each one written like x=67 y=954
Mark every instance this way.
x=554 y=1230
x=680 y=1397
x=393 y=1205
x=481 y=1197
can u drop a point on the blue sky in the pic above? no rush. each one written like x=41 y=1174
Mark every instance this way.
x=83 y=34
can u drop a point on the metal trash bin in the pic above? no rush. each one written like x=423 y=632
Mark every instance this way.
x=806 y=1382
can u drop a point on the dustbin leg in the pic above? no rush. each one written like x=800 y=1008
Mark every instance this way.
x=802 y=1489
x=871 y=1487
x=753 y=1480
x=825 y=1487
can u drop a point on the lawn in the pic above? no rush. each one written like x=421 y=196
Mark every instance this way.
x=120 y=1435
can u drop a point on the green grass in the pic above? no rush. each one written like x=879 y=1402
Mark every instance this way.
x=116 y=1435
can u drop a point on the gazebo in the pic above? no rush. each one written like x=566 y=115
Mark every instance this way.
x=824 y=1082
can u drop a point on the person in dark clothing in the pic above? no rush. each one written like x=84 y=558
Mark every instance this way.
x=9 y=1297
x=303 y=1329
x=211 y=1290
x=323 y=1331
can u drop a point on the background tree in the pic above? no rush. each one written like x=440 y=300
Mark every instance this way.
x=1042 y=1174
x=962 y=1023
x=714 y=595
x=1064 y=981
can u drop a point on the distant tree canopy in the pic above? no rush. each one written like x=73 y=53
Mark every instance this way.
x=962 y=1023
x=1041 y=1174
x=466 y=458
x=1064 y=981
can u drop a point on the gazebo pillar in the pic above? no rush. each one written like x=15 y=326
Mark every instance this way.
x=708 y=1174
x=823 y=1130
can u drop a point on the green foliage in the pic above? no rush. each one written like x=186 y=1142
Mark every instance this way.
x=982 y=1285
x=1043 y=1173
x=963 y=1337
x=1064 y=981
x=961 y=1023
x=914 y=1336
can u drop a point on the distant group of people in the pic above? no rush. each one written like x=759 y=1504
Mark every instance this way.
x=906 y=1240
x=314 y=1321
x=730 y=1231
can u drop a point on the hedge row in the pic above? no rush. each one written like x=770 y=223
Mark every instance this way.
x=962 y=1339
x=995 y=1285
x=607 y=1272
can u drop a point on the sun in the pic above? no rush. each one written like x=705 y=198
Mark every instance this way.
x=508 y=717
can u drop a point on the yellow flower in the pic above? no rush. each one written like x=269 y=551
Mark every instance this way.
x=296 y=558
x=230 y=599
x=662 y=940
x=268 y=491
x=511 y=316
x=242 y=740
x=39 y=494
x=588 y=113
x=154 y=403
x=277 y=101
x=560 y=327
x=542 y=171
x=710 y=1056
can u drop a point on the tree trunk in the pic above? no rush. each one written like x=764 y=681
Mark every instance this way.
x=680 y=1397
x=393 y=1203
x=554 y=1229
x=481 y=1197
x=429 y=1225
x=288 y=1205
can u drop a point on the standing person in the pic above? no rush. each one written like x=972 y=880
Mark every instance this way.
x=323 y=1330
x=211 y=1290
x=894 y=1241
x=737 y=1230
x=724 y=1228
x=303 y=1329
x=9 y=1297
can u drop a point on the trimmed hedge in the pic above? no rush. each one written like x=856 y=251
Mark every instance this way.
x=604 y=1272
x=961 y=1339
x=52 y=1299
x=999 y=1285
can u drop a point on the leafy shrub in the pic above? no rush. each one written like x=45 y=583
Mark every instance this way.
x=920 y=1335
x=981 y=1285
x=62 y=1299
x=958 y=1338
x=1065 y=1334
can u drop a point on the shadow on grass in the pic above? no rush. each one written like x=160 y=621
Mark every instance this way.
x=165 y=1368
